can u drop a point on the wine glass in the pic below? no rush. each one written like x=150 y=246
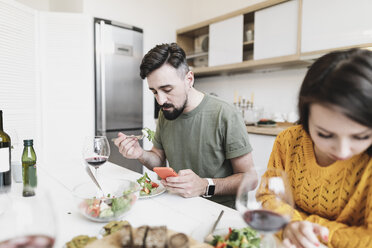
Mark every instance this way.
x=267 y=206
x=96 y=151
x=27 y=221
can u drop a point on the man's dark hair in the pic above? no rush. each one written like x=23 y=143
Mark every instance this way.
x=171 y=54
x=342 y=79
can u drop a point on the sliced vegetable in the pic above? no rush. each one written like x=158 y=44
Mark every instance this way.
x=147 y=186
x=245 y=238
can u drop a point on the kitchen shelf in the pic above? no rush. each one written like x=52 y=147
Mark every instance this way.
x=248 y=48
x=196 y=55
x=191 y=40
x=291 y=61
x=248 y=43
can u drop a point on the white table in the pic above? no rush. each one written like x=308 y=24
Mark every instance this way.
x=192 y=216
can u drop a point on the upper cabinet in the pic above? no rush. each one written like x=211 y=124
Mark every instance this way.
x=279 y=37
x=328 y=24
x=225 y=41
x=276 y=34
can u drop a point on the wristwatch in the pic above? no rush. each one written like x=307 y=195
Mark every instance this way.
x=210 y=188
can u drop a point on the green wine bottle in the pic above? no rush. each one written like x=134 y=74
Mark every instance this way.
x=5 y=158
x=29 y=168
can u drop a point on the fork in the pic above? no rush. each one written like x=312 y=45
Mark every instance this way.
x=139 y=137
x=94 y=179
x=209 y=237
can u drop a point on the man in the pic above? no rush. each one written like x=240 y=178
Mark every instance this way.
x=203 y=138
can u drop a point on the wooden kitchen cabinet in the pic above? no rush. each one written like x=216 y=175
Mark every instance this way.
x=285 y=33
x=225 y=41
x=231 y=41
x=327 y=25
x=276 y=30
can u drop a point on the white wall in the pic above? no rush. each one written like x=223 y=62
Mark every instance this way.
x=67 y=76
x=66 y=5
x=36 y=4
x=275 y=91
x=207 y=9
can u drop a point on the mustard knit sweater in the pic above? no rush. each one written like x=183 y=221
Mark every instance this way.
x=338 y=196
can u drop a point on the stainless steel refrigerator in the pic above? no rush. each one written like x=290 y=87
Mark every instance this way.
x=118 y=86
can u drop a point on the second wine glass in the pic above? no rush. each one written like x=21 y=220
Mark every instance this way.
x=96 y=151
x=267 y=206
x=27 y=221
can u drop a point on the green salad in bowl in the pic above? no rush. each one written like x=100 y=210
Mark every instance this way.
x=119 y=197
x=244 y=238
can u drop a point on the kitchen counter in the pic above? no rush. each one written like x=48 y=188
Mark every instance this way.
x=266 y=130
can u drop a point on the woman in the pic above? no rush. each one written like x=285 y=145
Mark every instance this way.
x=328 y=157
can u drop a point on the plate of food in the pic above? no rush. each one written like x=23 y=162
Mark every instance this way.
x=149 y=188
x=118 y=234
x=266 y=123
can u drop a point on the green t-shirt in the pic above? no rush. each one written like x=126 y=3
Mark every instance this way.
x=204 y=140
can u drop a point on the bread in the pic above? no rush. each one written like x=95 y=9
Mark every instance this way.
x=178 y=240
x=126 y=236
x=139 y=236
x=156 y=237
x=80 y=241
x=114 y=226
x=109 y=241
x=122 y=235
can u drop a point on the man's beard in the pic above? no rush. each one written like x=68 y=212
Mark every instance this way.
x=172 y=115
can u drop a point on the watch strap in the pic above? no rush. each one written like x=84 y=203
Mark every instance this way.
x=209 y=191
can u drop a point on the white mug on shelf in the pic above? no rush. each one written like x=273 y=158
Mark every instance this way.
x=249 y=35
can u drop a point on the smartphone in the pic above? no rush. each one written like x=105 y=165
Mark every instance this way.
x=164 y=172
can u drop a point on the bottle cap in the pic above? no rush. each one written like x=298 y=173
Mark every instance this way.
x=28 y=142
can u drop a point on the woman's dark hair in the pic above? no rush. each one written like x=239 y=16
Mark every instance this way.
x=342 y=79
x=161 y=54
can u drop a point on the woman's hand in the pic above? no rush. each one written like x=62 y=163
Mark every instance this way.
x=304 y=234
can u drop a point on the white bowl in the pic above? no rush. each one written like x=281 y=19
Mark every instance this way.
x=120 y=196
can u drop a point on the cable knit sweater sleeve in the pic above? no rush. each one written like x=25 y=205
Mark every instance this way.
x=338 y=196
x=277 y=161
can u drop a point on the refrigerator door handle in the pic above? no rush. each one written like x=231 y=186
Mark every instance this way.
x=101 y=72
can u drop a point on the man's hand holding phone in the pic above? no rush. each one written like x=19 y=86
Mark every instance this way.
x=164 y=172
x=186 y=183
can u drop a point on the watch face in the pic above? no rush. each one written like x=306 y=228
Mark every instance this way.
x=211 y=189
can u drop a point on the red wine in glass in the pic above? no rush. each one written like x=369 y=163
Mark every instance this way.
x=265 y=220
x=96 y=161
x=31 y=241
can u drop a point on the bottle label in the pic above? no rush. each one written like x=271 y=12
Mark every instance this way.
x=32 y=176
x=4 y=159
